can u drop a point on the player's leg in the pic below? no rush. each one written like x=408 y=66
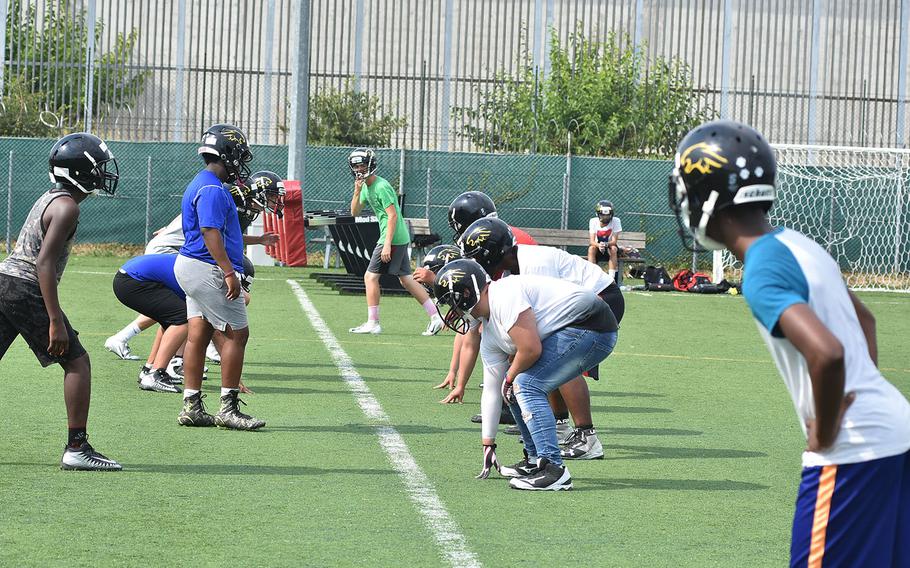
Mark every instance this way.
x=848 y=514
x=148 y=370
x=592 y=253
x=371 y=283
x=613 y=252
x=582 y=443
x=77 y=392
x=118 y=343
x=561 y=411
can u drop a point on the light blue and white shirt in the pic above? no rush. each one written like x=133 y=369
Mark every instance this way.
x=784 y=268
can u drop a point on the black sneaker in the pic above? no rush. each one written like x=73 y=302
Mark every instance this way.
x=582 y=445
x=513 y=431
x=230 y=416
x=548 y=477
x=193 y=413
x=504 y=418
x=158 y=382
x=522 y=469
x=85 y=458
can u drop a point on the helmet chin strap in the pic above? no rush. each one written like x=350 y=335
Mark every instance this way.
x=701 y=232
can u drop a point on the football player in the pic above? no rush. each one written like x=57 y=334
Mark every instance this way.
x=490 y=242
x=538 y=333
x=207 y=270
x=80 y=165
x=604 y=230
x=854 y=496
x=390 y=256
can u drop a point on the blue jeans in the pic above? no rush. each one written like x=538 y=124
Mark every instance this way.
x=564 y=356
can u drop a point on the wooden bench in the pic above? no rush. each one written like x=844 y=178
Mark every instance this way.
x=581 y=238
x=422 y=238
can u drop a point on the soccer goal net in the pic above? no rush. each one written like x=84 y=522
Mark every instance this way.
x=855 y=202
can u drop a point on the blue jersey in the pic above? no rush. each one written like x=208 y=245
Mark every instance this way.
x=785 y=268
x=154 y=268
x=206 y=203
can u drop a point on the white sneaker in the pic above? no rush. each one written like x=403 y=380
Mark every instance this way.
x=144 y=372
x=435 y=326
x=86 y=458
x=367 y=327
x=212 y=354
x=583 y=445
x=120 y=348
x=175 y=370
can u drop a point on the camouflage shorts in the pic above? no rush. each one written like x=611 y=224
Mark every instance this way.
x=22 y=312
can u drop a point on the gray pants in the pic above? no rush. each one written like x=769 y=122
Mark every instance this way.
x=206 y=294
x=399 y=265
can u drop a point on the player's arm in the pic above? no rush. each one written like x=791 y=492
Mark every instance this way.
x=527 y=344
x=824 y=357
x=867 y=322
x=59 y=219
x=450 y=381
x=356 y=205
x=266 y=239
x=467 y=350
x=592 y=237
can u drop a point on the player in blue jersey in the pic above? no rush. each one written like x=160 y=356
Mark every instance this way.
x=853 y=504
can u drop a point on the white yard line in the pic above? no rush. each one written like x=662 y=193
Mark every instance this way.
x=452 y=544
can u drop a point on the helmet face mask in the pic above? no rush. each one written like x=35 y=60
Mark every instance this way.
x=229 y=144
x=83 y=161
x=458 y=288
x=362 y=163
x=267 y=192
x=718 y=165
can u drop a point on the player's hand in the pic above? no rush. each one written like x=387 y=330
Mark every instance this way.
x=358 y=183
x=243 y=388
x=58 y=340
x=448 y=383
x=812 y=443
x=454 y=397
x=268 y=239
x=602 y=247
x=424 y=275
x=508 y=393
x=386 y=254
x=233 y=286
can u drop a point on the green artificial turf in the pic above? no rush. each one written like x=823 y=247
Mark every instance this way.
x=701 y=440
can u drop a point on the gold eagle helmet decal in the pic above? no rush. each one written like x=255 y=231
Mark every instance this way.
x=263 y=181
x=451 y=278
x=477 y=236
x=703 y=157
x=233 y=136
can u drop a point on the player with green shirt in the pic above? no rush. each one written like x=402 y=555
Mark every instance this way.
x=391 y=253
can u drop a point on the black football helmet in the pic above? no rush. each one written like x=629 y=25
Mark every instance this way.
x=229 y=144
x=267 y=192
x=604 y=211
x=362 y=157
x=81 y=161
x=467 y=208
x=458 y=286
x=719 y=164
x=246 y=280
x=438 y=257
x=487 y=241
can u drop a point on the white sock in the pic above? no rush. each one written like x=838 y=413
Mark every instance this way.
x=227 y=391
x=187 y=393
x=128 y=332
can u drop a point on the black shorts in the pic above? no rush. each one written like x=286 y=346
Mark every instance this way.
x=612 y=295
x=151 y=299
x=22 y=312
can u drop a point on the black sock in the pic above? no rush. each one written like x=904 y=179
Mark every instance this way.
x=77 y=437
x=584 y=426
x=562 y=415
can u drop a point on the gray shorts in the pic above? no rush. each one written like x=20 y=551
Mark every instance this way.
x=400 y=265
x=205 y=294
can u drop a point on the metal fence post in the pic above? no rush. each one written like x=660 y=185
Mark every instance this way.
x=902 y=73
x=446 y=79
x=148 y=197
x=267 y=88
x=180 y=65
x=90 y=66
x=358 y=43
x=817 y=8
x=9 y=204
x=725 y=60
x=300 y=101
x=4 y=10
x=401 y=173
x=566 y=181
x=427 y=206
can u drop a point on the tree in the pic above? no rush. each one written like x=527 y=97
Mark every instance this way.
x=349 y=117
x=44 y=90
x=600 y=98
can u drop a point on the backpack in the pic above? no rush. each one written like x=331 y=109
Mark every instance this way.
x=688 y=281
x=657 y=279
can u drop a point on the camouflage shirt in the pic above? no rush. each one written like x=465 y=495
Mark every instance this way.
x=22 y=263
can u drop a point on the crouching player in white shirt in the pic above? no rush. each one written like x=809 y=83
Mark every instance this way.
x=538 y=333
x=853 y=504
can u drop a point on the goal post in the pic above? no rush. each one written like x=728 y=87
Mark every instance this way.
x=854 y=202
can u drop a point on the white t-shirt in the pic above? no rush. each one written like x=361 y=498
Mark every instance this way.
x=556 y=304
x=557 y=263
x=604 y=234
x=785 y=268
x=169 y=240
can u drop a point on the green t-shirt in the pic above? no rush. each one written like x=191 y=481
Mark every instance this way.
x=378 y=196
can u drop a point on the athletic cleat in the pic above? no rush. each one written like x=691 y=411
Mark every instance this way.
x=119 y=348
x=367 y=327
x=435 y=326
x=230 y=416
x=175 y=371
x=513 y=431
x=522 y=469
x=212 y=354
x=563 y=430
x=582 y=445
x=158 y=382
x=85 y=458
x=547 y=477
x=193 y=413
x=145 y=371
x=504 y=418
